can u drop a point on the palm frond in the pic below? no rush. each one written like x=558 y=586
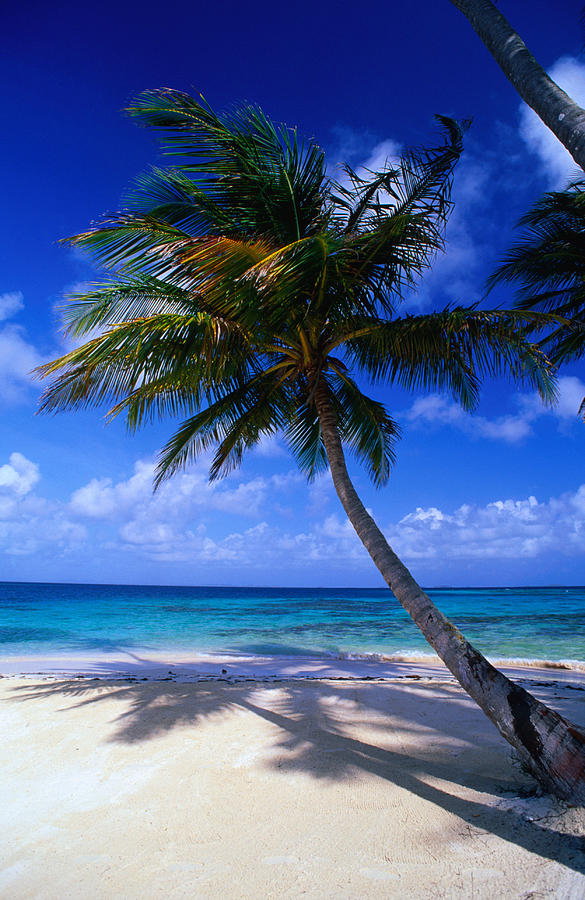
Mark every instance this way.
x=365 y=426
x=170 y=196
x=417 y=183
x=199 y=351
x=235 y=421
x=453 y=350
x=132 y=298
x=548 y=264
x=240 y=280
x=271 y=182
x=303 y=435
x=395 y=218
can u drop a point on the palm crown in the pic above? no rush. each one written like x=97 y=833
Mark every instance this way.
x=244 y=280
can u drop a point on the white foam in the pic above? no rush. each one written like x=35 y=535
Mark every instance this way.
x=231 y=666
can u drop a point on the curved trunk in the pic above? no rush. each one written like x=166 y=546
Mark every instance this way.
x=556 y=109
x=551 y=747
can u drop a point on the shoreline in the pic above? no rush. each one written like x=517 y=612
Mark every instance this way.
x=233 y=667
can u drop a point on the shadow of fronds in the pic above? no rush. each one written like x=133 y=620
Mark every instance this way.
x=337 y=730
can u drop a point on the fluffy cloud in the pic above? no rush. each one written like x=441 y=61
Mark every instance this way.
x=172 y=525
x=17 y=358
x=456 y=273
x=571 y=392
x=439 y=410
x=18 y=476
x=363 y=158
x=385 y=153
x=38 y=532
x=502 y=529
x=185 y=493
x=10 y=304
x=360 y=150
x=17 y=355
x=178 y=526
x=270 y=447
x=30 y=524
x=557 y=164
x=505 y=529
x=102 y=499
x=263 y=546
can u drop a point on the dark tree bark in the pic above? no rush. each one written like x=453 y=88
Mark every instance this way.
x=550 y=746
x=556 y=109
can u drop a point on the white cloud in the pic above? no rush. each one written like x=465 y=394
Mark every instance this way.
x=385 y=154
x=101 y=499
x=556 y=162
x=440 y=410
x=152 y=533
x=172 y=525
x=571 y=392
x=319 y=494
x=187 y=494
x=96 y=500
x=360 y=150
x=364 y=159
x=182 y=530
x=34 y=534
x=502 y=529
x=362 y=153
x=267 y=546
x=19 y=475
x=270 y=447
x=30 y=524
x=10 y=304
x=505 y=529
x=17 y=358
x=455 y=275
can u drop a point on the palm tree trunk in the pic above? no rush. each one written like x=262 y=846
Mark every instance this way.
x=552 y=748
x=556 y=109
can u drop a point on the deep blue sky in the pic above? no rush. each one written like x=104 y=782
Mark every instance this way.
x=75 y=497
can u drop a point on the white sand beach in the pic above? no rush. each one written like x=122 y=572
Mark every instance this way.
x=358 y=788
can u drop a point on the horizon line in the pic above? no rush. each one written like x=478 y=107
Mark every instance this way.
x=440 y=587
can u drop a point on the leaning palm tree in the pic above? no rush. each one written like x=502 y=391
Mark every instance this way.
x=558 y=111
x=548 y=264
x=248 y=292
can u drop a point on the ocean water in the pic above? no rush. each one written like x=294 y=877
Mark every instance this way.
x=546 y=623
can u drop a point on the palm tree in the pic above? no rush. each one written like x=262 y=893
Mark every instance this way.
x=549 y=265
x=247 y=292
x=564 y=117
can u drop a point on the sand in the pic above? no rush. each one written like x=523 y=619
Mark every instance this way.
x=277 y=789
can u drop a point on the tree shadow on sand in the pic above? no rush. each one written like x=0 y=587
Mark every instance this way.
x=316 y=719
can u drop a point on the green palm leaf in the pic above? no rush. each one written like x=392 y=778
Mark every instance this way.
x=549 y=266
x=365 y=426
x=243 y=281
x=453 y=350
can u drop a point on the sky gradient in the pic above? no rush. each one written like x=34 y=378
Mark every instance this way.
x=493 y=498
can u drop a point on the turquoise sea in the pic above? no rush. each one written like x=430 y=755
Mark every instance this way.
x=544 y=623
